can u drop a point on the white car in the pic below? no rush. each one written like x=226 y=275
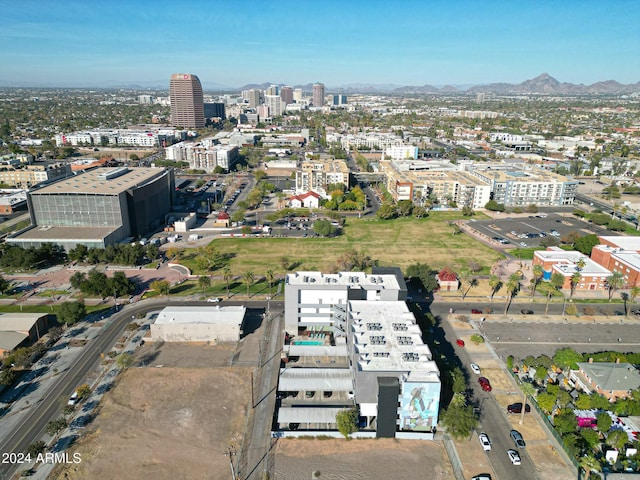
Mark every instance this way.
x=213 y=300
x=514 y=457
x=485 y=442
x=475 y=368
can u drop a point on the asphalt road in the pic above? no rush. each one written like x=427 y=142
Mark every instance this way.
x=492 y=419
x=50 y=406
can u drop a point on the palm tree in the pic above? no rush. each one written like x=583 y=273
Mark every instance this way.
x=527 y=390
x=248 y=278
x=495 y=283
x=557 y=281
x=616 y=280
x=269 y=275
x=226 y=276
x=575 y=280
x=473 y=282
x=512 y=286
x=204 y=281
x=538 y=272
x=625 y=300
x=633 y=293
x=589 y=464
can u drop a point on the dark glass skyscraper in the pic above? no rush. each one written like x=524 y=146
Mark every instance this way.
x=187 y=105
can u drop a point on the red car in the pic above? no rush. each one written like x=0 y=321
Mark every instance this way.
x=475 y=311
x=484 y=383
x=460 y=342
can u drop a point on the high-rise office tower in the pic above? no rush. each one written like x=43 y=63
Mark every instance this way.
x=318 y=95
x=273 y=90
x=255 y=97
x=187 y=105
x=297 y=95
x=286 y=94
x=275 y=104
x=339 y=100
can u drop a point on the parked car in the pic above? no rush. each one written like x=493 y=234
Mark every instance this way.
x=73 y=399
x=475 y=368
x=514 y=457
x=482 y=476
x=460 y=342
x=485 y=442
x=213 y=300
x=523 y=244
x=635 y=312
x=475 y=311
x=516 y=436
x=526 y=311
x=517 y=408
x=484 y=384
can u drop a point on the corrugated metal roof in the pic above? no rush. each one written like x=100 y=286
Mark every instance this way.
x=315 y=379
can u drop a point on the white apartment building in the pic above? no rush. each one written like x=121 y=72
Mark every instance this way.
x=316 y=174
x=114 y=137
x=400 y=152
x=358 y=328
x=203 y=155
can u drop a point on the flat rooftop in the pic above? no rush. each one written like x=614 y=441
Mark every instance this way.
x=623 y=242
x=204 y=315
x=386 y=338
x=94 y=182
x=54 y=234
x=347 y=279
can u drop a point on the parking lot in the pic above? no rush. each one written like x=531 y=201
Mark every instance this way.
x=528 y=230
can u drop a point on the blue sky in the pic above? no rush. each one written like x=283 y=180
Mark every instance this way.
x=233 y=43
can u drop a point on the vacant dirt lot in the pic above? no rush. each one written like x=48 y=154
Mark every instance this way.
x=172 y=418
x=338 y=459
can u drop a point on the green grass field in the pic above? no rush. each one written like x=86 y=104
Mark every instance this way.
x=400 y=242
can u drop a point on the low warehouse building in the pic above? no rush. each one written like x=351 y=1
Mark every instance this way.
x=199 y=324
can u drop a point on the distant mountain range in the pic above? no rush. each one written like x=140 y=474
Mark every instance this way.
x=542 y=84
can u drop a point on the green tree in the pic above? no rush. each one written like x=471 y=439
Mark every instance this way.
x=495 y=284
x=541 y=373
x=589 y=463
x=546 y=401
x=124 y=360
x=586 y=243
x=591 y=437
x=204 y=281
x=458 y=382
x=494 y=206
x=583 y=402
x=425 y=274
x=56 y=426
x=226 y=276
x=160 y=286
x=527 y=391
x=616 y=281
x=347 y=421
x=476 y=339
x=249 y=277
x=557 y=281
x=565 y=422
x=459 y=420
x=36 y=448
x=83 y=391
x=512 y=287
x=575 y=280
x=538 y=272
x=269 y=275
x=323 y=228
x=566 y=358
x=387 y=212
x=71 y=312
x=617 y=439
x=603 y=421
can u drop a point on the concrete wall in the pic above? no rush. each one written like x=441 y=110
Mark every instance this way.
x=184 y=332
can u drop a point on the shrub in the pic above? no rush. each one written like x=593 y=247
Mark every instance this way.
x=477 y=339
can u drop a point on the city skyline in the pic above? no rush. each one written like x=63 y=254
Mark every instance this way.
x=231 y=44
